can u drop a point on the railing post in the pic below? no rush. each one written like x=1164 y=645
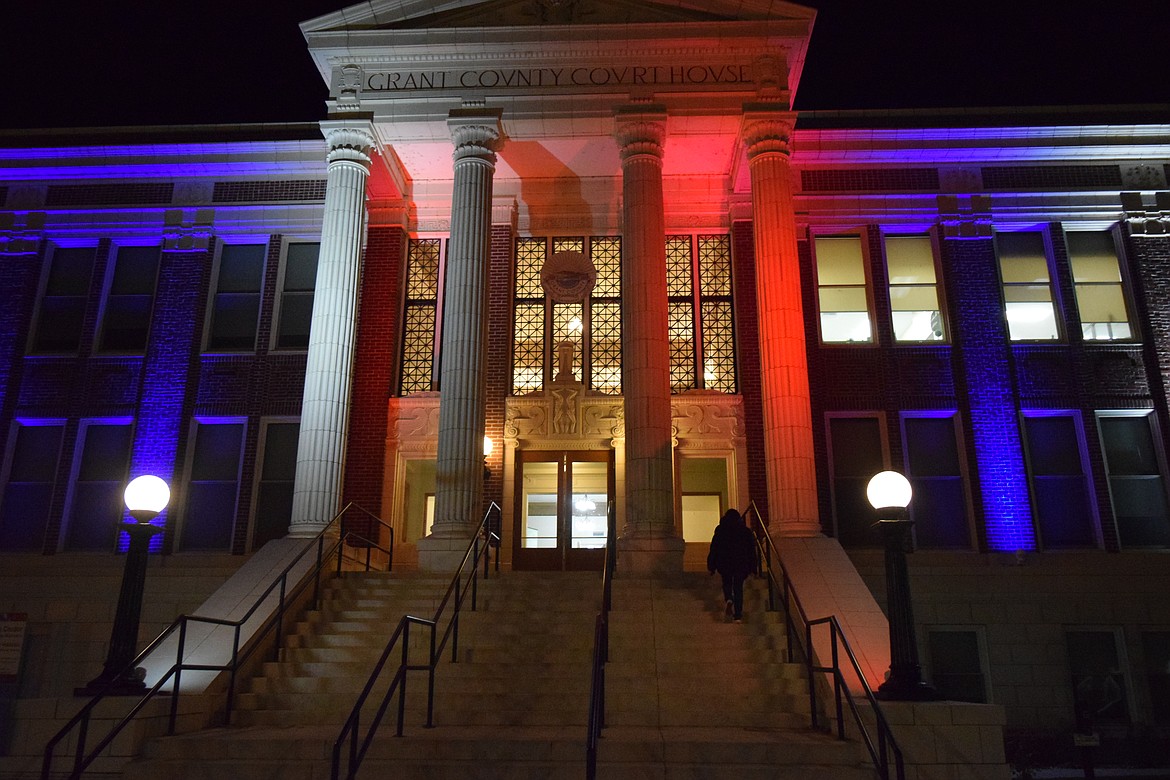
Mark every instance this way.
x=390 y=555
x=317 y=571
x=431 y=680
x=80 y=754
x=812 y=687
x=178 y=677
x=279 y=620
x=837 y=684
x=405 y=675
x=229 y=708
x=772 y=581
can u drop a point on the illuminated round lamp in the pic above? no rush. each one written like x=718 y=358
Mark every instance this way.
x=889 y=493
x=487 y=446
x=146 y=496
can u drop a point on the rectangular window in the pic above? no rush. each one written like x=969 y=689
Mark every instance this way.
x=701 y=319
x=28 y=492
x=296 y=296
x=857 y=452
x=274 y=494
x=420 y=336
x=130 y=300
x=914 y=306
x=1098 y=677
x=577 y=331
x=843 y=290
x=1136 y=486
x=1027 y=287
x=956 y=665
x=1096 y=270
x=214 y=486
x=62 y=305
x=1061 y=498
x=235 y=306
x=1156 y=647
x=95 y=505
x=935 y=470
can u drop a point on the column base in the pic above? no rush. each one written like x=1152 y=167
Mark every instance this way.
x=441 y=553
x=650 y=555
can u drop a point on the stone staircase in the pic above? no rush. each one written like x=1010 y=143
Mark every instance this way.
x=689 y=696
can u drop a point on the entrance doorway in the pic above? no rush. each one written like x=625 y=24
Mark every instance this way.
x=561 y=505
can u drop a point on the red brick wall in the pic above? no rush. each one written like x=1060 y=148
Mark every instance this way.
x=499 y=355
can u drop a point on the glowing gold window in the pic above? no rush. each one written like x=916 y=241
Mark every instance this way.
x=1096 y=271
x=700 y=314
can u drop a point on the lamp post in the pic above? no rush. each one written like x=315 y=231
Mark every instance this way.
x=889 y=493
x=145 y=497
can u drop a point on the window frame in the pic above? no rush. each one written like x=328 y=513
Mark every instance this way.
x=42 y=290
x=862 y=234
x=939 y=288
x=78 y=454
x=883 y=432
x=980 y=645
x=444 y=242
x=10 y=459
x=1125 y=284
x=279 y=294
x=1123 y=667
x=181 y=513
x=258 y=469
x=964 y=471
x=1054 y=295
x=1151 y=418
x=107 y=293
x=213 y=291
x=1086 y=474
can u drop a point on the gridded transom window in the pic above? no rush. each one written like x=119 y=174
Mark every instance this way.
x=914 y=305
x=419 y=331
x=1096 y=272
x=130 y=300
x=581 y=338
x=62 y=306
x=698 y=281
x=1027 y=287
x=843 y=290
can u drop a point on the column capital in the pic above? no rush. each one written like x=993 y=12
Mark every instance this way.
x=348 y=140
x=765 y=130
x=640 y=130
x=476 y=133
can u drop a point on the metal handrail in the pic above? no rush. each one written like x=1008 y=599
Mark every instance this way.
x=885 y=744
x=601 y=648
x=80 y=722
x=468 y=572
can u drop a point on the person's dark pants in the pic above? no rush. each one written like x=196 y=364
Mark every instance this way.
x=733 y=592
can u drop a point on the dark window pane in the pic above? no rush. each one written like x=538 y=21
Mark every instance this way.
x=217 y=452
x=296 y=314
x=94 y=514
x=931 y=445
x=241 y=268
x=24 y=515
x=210 y=516
x=300 y=272
x=939 y=510
x=70 y=272
x=955 y=666
x=1098 y=682
x=127 y=322
x=857 y=446
x=1053 y=445
x=1129 y=447
x=1063 y=509
x=233 y=323
x=1157 y=652
x=273 y=512
x=59 y=328
x=280 y=451
x=136 y=271
x=1139 y=507
x=107 y=453
x=34 y=458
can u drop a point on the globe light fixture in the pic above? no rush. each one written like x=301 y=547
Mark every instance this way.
x=889 y=493
x=145 y=497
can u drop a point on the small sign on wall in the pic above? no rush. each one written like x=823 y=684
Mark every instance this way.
x=12 y=629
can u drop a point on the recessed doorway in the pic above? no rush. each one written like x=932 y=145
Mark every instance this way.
x=561 y=505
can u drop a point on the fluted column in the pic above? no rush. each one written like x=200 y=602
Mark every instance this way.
x=462 y=396
x=788 y=439
x=329 y=364
x=649 y=539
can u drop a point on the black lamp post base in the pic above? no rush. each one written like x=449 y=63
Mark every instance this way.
x=902 y=690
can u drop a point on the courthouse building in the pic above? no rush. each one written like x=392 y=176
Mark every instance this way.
x=556 y=253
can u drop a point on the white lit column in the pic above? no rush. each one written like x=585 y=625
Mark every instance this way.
x=328 y=369
x=649 y=540
x=462 y=396
x=788 y=440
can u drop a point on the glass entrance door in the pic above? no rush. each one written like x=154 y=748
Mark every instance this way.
x=561 y=509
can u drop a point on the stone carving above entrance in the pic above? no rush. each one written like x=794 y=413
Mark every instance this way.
x=715 y=418
x=568 y=277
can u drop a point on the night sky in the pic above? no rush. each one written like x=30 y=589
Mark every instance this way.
x=126 y=63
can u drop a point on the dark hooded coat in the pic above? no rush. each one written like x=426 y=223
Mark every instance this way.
x=733 y=547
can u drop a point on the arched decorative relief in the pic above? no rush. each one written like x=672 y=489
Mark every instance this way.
x=527 y=417
x=566 y=417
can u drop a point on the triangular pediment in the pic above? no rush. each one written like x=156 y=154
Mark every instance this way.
x=419 y=14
